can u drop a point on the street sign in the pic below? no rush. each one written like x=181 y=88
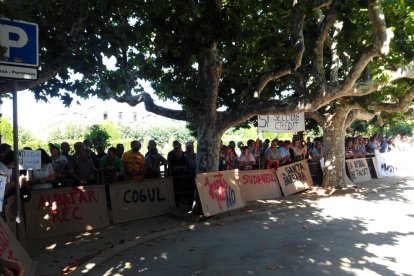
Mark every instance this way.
x=19 y=43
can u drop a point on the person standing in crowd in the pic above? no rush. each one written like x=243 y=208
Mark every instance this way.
x=349 y=152
x=134 y=162
x=59 y=162
x=272 y=155
x=119 y=150
x=316 y=152
x=65 y=150
x=231 y=159
x=383 y=144
x=112 y=167
x=6 y=169
x=46 y=173
x=299 y=150
x=222 y=158
x=100 y=153
x=246 y=160
x=284 y=152
x=153 y=163
x=81 y=167
x=177 y=165
x=151 y=144
x=4 y=149
x=190 y=157
x=373 y=144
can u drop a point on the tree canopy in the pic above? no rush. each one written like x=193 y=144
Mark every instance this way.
x=224 y=61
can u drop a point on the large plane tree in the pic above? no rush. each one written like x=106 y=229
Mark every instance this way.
x=222 y=61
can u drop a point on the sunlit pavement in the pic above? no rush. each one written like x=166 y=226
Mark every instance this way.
x=352 y=234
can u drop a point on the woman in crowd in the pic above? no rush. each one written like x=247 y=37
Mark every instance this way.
x=315 y=152
x=46 y=173
x=299 y=150
x=349 y=152
x=231 y=160
x=246 y=159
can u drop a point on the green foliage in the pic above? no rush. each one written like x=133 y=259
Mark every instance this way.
x=74 y=132
x=25 y=137
x=98 y=135
x=6 y=131
x=112 y=130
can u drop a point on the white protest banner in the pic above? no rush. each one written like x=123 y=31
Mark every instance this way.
x=139 y=200
x=3 y=180
x=29 y=159
x=281 y=123
x=219 y=192
x=259 y=184
x=358 y=170
x=54 y=212
x=294 y=177
x=394 y=163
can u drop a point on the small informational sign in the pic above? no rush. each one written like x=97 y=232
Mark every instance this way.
x=20 y=41
x=219 y=192
x=150 y=198
x=358 y=170
x=19 y=57
x=259 y=184
x=55 y=212
x=3 y=180
x=16 y=72
x=29 y=159
x=11 y=249
x=294 y=177
x=282 y=123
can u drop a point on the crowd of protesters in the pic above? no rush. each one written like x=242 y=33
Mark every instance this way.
x=85 y=166
x=272 y=154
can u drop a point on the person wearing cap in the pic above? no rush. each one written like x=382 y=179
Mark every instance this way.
x=134 y=162
x=59 y=162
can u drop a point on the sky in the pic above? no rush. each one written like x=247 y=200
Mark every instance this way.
x=37 y=116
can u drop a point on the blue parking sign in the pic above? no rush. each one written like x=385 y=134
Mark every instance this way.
x=19 y=43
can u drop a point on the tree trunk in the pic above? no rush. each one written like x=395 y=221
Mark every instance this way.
x=334 y=174
x=208 y=148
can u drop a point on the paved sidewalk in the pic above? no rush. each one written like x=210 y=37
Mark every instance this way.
x=82 y=252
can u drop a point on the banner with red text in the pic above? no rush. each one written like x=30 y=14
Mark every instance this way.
x=294 y=177
x=54 y=212
x=259 y=184
x=219 y=192
x=358 y=170
x=150 y=198
x=10 y=248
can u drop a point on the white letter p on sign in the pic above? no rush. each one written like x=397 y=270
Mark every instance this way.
x=7 y=42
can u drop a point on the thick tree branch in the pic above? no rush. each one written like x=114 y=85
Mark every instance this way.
x=403 y=72
x=299 y=49
x=381 y=40
x=150 y=106
x=324 y=28
x=402 y=105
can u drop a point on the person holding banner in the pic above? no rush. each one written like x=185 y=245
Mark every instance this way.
x=46 y=174
x=272 y=155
